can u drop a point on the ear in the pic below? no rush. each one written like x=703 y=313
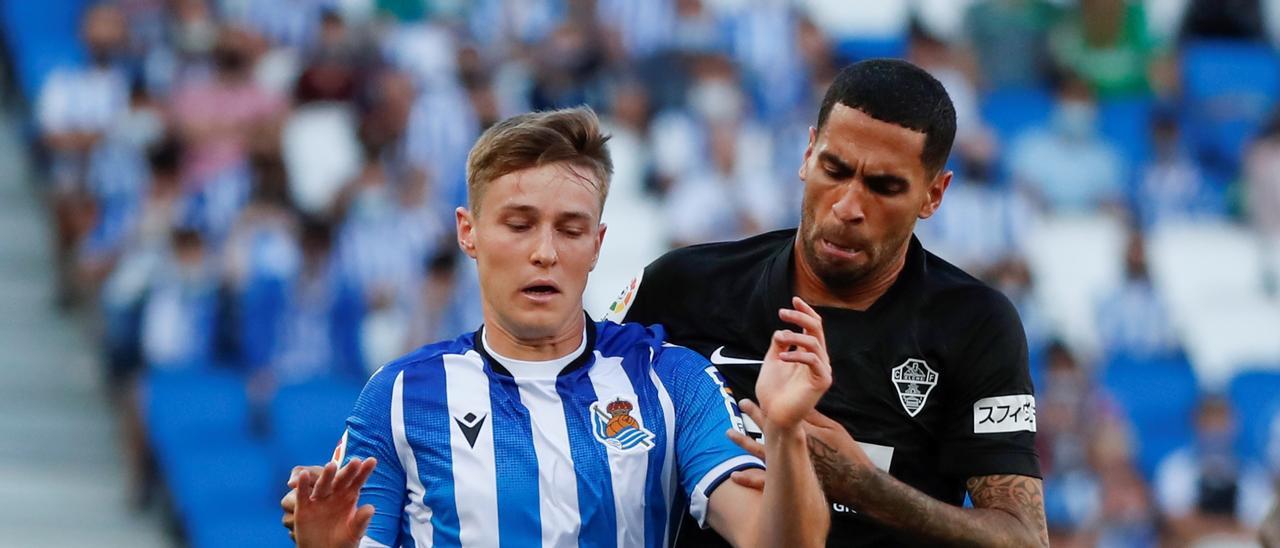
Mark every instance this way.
x=808 y=151
x=936 y=189
x=466 y=231
x=599 y=242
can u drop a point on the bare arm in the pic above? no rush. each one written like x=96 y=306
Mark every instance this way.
x=1008 y=509
x=796 y=372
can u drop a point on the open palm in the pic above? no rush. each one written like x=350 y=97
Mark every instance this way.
x=796 y=370
x=327 y=516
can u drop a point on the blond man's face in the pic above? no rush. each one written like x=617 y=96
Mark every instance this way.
x=535 y=236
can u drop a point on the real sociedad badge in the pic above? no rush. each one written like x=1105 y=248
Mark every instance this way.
x=614 y=426
x=913 y=380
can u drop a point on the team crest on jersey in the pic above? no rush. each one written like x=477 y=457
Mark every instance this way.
x=614 y=426
x=913 y=380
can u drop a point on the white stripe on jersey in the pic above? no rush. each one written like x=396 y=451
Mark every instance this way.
x=419 y=514
x=475 y=479
x=560 y=518
x=367 y=542
x=668 y=478
x=627 y=469
x=698 y=506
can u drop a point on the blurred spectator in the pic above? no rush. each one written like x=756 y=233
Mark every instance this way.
x=75 y=108
x=983 y=224
x=1172 y=186
x=1009 y=40
x=1204 y=491
x=875 y=29
x=728 y=198
x=220 y=117
x=1106 y=43
x=1262 y=180
x=642 y=27
x=1013 y=278
x=1230 y=19
x=179 y=317
x=1133 y=321
x=1068 y=167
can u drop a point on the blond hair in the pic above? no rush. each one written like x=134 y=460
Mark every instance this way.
x=572 y=136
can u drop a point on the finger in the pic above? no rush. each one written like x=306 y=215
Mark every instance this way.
x=290 y=501
x=812 y=325
x=746 y=443
x=803 y=307
x=324 y=485
x=360 y=522
x=752 y=478
x=293 y=476
x=799 y=340
x=306 y=486
x=366 y=469
x=751 y=410
x=342 y=480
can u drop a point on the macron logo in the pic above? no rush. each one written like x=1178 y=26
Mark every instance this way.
x=470 y=426
x=719 y=358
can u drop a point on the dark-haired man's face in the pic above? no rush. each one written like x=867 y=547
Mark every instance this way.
x=864 y=187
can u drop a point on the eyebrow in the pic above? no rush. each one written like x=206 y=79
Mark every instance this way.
x=886 y=178
x=836 y=161
x=526 y=209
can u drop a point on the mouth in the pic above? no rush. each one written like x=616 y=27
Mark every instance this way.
x=541 y=290
x=839 y=251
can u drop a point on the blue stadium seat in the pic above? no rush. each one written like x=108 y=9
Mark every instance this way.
x=41 y=35
x=1011 y=111
x=851 y=50
x=256 y=527
x=1158 y=397
x=1126 y=122
x=308 y=419
x=235 y=479
x=1229 y=87
x=189 y=411
x=1256 y=397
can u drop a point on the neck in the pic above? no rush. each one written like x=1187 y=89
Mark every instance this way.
x=502 y=341
x=860 y=296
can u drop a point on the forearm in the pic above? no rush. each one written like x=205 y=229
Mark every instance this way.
x=889 y=501
x=794 y=510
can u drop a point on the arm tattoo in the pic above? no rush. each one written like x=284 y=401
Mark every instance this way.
x=1021 y=496
x=1001 y=503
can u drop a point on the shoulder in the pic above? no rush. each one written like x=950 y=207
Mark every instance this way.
x=954 y=294
x=666 y=359
x=695 y=261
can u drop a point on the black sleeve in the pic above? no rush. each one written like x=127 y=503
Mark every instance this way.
x=639 y=301
x=993 y=424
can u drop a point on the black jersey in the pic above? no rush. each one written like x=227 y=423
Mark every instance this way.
x=931 y=380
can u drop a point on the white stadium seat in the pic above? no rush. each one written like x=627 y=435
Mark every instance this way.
x=321 y=153
x=1076 y=261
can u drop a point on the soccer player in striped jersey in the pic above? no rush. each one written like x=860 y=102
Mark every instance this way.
x=544 y=428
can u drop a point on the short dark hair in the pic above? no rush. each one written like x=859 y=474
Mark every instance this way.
x=899 y=93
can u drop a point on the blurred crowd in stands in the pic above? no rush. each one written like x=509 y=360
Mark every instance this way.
x=267 y=187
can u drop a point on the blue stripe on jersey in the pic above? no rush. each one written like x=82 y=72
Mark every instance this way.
x=591 y=463
x=519 y=513
x=655 y=519
x=427 y=410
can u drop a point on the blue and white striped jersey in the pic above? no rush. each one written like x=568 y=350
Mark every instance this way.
x=608 y=448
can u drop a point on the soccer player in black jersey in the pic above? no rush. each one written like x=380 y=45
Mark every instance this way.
x=931 y=396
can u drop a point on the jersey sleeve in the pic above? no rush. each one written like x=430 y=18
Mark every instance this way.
x=619 y=310
x=993 y=426
x=369 y=435
x=704 y=409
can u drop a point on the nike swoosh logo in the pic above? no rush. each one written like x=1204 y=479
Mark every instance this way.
x=719 y=358
x=472 y=430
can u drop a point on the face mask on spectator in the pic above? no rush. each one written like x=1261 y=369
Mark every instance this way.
x=1075 y=119
x=716 y=100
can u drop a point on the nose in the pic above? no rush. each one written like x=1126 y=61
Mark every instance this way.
x=544 y=250
x=848 y=206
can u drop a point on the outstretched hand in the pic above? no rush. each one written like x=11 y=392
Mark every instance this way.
x=796 y=370
x=326 y=514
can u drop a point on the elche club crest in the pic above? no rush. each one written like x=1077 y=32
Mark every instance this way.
x=913 y=380
x=614 y=426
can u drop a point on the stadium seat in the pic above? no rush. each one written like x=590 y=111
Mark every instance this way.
x=1227 y=335
x=1186 y=264
x=308 y=419
x=228 y=474
x=1126 y=122
x=1255 y=394
x=1158 y=397
x=1011 y=111
x=189 y=411
x=1229 y=88
x=1076 y=261
x=40 y=37
x=852 y=50
x=239 y=527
